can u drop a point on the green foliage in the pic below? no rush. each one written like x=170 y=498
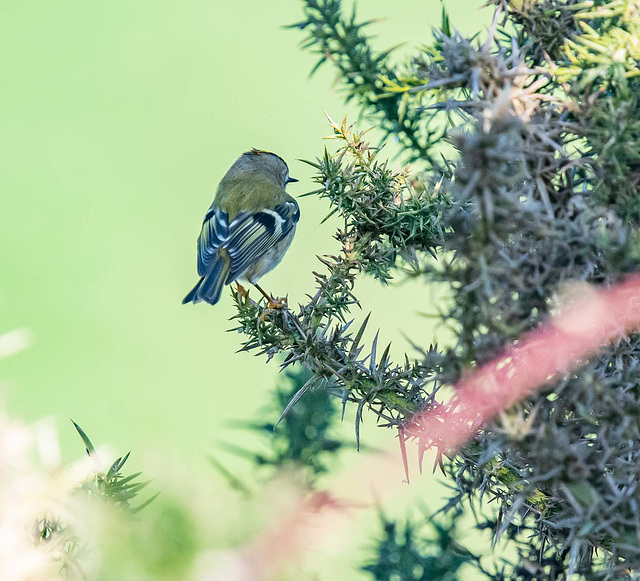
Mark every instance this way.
x=343 y=42
x=388 y=223
x=596 y=50
x=112 y=485
x=542 y=189
x=421 y=552
x=62 y=535
x=384 y=215
x=301 y=439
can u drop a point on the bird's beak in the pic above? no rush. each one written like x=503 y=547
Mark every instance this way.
x=291 y=180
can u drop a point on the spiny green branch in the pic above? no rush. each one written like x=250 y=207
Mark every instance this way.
x=385 y=218
x=342 y=41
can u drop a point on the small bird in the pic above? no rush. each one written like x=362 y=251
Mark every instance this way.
x=248 y=228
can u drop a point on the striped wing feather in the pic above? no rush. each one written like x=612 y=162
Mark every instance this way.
x=214 y=233
x=246 y=238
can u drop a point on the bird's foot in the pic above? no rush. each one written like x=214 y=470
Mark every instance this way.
x=273 y=305
x=277 y=303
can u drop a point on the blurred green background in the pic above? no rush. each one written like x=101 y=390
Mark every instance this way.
x=119 y=118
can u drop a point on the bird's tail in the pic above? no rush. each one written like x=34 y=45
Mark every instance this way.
x=209 y=287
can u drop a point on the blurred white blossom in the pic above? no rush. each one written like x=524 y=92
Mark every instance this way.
x=41 y=513
x=15 y=341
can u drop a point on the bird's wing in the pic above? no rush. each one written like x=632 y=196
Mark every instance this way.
x=246 y=238
x=251 y=234
x=214 y=234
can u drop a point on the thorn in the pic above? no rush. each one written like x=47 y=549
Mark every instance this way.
x=438 y=462
x=403 y=452
x=344 y=403
x=309 y=384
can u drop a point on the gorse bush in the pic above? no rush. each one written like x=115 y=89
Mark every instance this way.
x=301 y=440
x=526 y=180
x=525 y=186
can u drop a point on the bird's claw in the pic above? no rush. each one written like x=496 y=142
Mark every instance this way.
x=277 y=303
x=273 y=304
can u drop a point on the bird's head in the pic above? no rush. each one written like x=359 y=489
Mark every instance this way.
x=261 y=163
